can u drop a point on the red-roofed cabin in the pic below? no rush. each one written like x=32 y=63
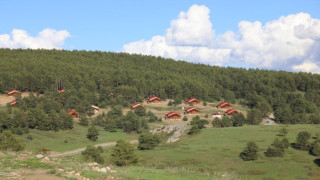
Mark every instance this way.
x=154 y=99
x=73 y=113
x=14 y=102
x=216 y=115
x=61 y=90
x=135 y=105
x=12 y=92
x=191 y=110
x=230 y=112
x=173 y=115
x=224 y=105
x=192 y=101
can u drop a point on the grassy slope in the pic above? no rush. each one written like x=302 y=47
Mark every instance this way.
x=76 y=138
x=217 y=150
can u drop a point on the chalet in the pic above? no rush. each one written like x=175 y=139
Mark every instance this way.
x=216 y=115
x=192 y=101
x=12 y=92
x=61 y=90
x=191 y=110
x=154 y=99
x=173 y=115
x=230 y=112
x=14 y=102
x=73 y=113
x=135 y=105
x=223 y=105
x=95 y=109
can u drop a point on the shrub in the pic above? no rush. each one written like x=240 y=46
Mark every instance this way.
x=315 y=149
x=140 y=111
x=124 y=154
x=302 y=140
x=92 y=133
x=9 y=142
x=185 y=118
x=200 y=123
x=250 y=152
x=84 y=121
x=148 y=141
x=92 y=154
x=274 y=152
x=194 y=130
x=283 y=132
x=110 y=125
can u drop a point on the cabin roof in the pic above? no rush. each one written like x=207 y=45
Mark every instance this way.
x=169 y=114
x=189 y=109
x=192 y=100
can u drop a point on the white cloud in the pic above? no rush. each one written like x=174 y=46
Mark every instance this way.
x=46 y=39
x=192 y=28
x=289 y=43
x=307 y=66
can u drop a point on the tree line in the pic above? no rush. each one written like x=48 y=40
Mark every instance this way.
x=106 y=79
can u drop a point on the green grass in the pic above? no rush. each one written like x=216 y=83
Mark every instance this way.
x=76 y=138
x=217 y=150
x=28 y=163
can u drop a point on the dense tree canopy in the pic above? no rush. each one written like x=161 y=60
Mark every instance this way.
x=103 y=79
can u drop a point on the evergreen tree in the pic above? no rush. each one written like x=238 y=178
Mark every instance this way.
x=83 y=121
x=140 y=111
x=302 y=140
x=110 y=125
x=9 y=142
x=315 y=149
x=132 y=123
x=92 y=133
x=148 y=141
x=92 y=154
x=124 y=154
x=250 y=152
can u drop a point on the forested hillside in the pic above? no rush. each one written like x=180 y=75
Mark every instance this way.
x=106 y=79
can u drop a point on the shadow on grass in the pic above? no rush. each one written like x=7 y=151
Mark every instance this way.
x=317 y=162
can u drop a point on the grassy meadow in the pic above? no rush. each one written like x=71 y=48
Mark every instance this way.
x=214 y=153
x=65 y=140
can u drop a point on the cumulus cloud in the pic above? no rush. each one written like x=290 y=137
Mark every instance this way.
x=307 y=66
x=46 y=39
x=192 y=28
x=289 y=43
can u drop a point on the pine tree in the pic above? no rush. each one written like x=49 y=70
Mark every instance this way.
x=124 y=154
x=92 y=133
x=250 y=152
x=9 y=142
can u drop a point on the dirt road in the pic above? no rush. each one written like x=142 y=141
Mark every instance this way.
x=76 y=151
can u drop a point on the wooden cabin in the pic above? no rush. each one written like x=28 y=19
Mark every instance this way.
x=216 y=115
x=61 y=90
x=73 y=113
x=191 y=110
x=135 y=105
x=95 y=109
x=14 y=102
x=12 y=92
x=230 y=112
x=192 y=101
x=154 y=99
x=223 y=105
x=173 y=115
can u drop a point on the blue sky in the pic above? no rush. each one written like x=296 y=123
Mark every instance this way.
x=110 y=25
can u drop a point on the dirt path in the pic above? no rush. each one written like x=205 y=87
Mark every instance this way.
x=77 y=151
